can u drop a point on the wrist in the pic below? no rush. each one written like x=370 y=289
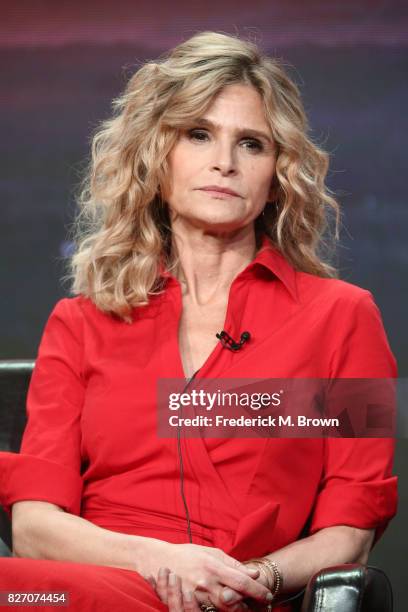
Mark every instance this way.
x=142 y=554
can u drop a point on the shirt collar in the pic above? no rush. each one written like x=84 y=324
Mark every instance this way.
x=270 y=258
x=267 y=257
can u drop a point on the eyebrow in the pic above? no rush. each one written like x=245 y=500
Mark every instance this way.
x=239 y=131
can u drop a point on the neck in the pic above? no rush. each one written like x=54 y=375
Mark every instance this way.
x=209 y=262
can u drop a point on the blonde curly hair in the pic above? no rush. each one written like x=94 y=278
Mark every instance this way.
x=122 y=231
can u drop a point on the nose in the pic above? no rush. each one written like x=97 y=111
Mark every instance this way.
x=224 y=158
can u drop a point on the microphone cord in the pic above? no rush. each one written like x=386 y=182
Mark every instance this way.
x=180 y=454
x=232 y=345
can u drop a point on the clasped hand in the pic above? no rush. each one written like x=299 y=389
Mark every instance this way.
x=186 y=575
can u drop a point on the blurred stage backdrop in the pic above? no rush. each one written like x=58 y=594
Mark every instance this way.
x=63 y=62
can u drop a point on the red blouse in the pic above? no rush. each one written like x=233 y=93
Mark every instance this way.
x=90 y=444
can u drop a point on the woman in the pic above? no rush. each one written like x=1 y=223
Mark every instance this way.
x=203 y=212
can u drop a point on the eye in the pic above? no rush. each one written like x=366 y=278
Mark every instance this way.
x=255 y=145
x=196 y=134
x=251 y=144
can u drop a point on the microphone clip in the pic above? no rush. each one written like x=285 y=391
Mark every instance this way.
x=230 y=343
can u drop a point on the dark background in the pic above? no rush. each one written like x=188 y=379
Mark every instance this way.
x=61 y=65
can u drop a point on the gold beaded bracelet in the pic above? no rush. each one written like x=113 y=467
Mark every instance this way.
x=278 y=581
x=269 y=569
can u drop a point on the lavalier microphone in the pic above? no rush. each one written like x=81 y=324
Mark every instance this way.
x=230 y=343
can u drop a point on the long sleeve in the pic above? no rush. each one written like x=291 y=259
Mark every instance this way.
x=49 y=463
x=357 y=486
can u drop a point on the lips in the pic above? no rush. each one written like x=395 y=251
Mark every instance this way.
x=217 y=189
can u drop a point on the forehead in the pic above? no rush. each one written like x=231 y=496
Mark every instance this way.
x=238 y=104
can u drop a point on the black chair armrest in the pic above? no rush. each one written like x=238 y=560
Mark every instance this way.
x=15 y=375
x=4 y=549
x=348 y=588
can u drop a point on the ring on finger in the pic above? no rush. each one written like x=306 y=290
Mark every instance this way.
x=208 y=606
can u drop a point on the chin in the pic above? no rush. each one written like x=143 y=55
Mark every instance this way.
x=218 y=225
x=215 y=215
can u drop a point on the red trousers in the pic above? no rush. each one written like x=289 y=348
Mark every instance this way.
x=91 y=588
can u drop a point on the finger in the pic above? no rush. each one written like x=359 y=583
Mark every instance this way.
x=151 y=580
x=230 y=598
x=232 y=603
x=252 y=571
x=174 y=594
x=190 y=602
x=239 y=607
x=214 y=591
x=162 y=583
x=252 y=587
x=244 y=585
x=236 y=605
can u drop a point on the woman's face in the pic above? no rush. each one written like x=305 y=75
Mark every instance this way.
x=231 y=147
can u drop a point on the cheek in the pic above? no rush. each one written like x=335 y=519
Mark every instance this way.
x=182 y=169
x=260 y=168
x=174 y=176
x=260 y=182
